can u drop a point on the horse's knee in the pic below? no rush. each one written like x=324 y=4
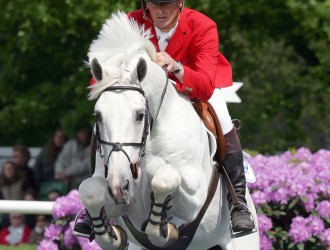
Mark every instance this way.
x=92 y=192
x=166 y=179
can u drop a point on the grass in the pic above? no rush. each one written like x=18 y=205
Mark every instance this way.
x=20 y=247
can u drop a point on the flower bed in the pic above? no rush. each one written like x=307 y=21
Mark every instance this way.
x=58 y=236
x=291 y=194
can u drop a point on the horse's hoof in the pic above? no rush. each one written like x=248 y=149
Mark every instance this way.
x=173 y=234
x=122 y=237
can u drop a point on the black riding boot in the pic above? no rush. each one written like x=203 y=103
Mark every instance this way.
x=84 y=228
x=233 y=162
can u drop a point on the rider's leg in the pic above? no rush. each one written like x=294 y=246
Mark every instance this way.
x=233 y=163
x=84 y=228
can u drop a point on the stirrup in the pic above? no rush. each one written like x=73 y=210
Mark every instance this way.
x=242 y=233
x=90 y=235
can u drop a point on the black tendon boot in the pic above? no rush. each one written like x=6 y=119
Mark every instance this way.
x=241 y=218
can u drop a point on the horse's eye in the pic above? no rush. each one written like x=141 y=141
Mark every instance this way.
x=98 y=116
x=139 y=116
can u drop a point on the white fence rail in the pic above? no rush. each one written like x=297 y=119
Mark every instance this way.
x=26 y=207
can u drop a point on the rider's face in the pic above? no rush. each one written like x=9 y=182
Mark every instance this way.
x=165 y=15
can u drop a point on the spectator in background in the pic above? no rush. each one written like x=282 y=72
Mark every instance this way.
x=44 y=168
x=21 y=157
x=73 y=163
x=30 y=219
x=53 y=195
x=16 y=233
x=12 y=182
x=12 y=186
x=37 y=234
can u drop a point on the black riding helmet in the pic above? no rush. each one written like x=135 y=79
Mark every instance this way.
x=160 y=1
x=145 y=10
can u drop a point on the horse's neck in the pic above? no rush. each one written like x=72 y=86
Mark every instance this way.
x=172 y=103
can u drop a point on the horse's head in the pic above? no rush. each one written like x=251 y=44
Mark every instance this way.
x=122 y=126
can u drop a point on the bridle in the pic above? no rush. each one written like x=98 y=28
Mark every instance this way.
x=118 y=146
x=148 y=124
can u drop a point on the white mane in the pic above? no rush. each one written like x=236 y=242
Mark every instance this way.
x=119 y=40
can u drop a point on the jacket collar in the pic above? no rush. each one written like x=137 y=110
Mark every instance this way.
x=178 y=37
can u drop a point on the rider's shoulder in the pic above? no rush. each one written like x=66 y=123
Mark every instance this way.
x=196 y=17
x=137 y=15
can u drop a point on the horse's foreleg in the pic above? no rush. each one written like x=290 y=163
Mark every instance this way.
x=93 y=192
x=164 y=183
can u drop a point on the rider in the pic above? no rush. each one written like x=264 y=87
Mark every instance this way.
x=187 y=45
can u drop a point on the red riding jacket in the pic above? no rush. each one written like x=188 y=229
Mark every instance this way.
x=195 y=44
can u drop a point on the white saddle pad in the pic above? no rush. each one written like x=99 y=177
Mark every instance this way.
x=249 y=173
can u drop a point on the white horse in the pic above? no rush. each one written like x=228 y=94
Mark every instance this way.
x=149 y=173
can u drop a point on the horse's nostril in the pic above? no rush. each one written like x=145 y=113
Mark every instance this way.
x=126 y=187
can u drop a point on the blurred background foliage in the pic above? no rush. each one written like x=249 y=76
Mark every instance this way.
x=279 y=49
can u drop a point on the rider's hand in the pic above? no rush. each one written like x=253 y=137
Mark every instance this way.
x=164 y=59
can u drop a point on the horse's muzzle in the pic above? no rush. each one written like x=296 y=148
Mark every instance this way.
x=120 y=194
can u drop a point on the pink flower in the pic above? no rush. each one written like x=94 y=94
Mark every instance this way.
x=69 y=238
x=315 y=224
x=264 y=223
x=265 y=242
x=47 y=244
x=323 y=209
x=53 y=232
x=299 y=233
x=325 y=237
x=258 y=198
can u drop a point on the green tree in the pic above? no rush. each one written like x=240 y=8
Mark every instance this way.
x=279 y=49
x=43 y=80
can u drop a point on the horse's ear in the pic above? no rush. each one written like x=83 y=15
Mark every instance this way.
x=141 y=69
x=96 y=69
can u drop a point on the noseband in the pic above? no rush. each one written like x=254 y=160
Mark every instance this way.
x=118 y=146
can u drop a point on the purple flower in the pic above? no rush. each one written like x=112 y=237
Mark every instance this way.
x=265 y=242
x=258 y=198
x=323 y=209
x=53 y=232
x=298 y=231
x=309 y=201
x=315 y=224
x=67 y=205
x=264 y=223
x=69 y=238
x=47 y=244
x=325 y=237
x=303 y=154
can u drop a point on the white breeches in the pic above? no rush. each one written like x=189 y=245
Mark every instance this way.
x=218 y=102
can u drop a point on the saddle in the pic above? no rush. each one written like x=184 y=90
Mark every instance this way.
x=211 y=122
